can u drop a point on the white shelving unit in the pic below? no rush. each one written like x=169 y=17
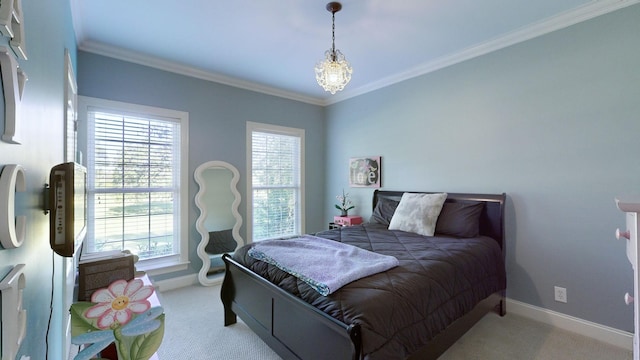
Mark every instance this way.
x=631 y=206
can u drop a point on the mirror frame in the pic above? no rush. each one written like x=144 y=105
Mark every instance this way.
x=204 y=233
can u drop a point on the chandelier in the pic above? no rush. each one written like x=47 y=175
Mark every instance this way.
x=333 y=72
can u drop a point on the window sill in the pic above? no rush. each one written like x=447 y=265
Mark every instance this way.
x=161 y=266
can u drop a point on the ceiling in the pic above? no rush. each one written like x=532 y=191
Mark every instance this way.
x=272 y=46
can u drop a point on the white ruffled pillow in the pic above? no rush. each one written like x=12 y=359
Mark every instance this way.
x=418 y=213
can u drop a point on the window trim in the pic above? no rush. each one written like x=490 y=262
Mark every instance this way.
x=274 y=129
x=175 y=262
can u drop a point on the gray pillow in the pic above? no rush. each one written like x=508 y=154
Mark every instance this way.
x=384 y=210
x=221 y=242
x=418 y=213
x=460 y=219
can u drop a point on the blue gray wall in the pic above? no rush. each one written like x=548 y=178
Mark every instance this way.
x=554 y=122
x=217 y=124
x=48 y=31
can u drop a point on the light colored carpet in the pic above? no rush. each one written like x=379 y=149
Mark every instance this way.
x=515 y=337
x=194 y=330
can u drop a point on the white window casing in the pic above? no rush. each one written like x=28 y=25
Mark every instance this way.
x=137 y=186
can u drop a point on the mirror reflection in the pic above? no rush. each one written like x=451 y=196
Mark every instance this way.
x=219 y=221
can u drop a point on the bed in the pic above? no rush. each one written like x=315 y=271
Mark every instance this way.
x=444 y=284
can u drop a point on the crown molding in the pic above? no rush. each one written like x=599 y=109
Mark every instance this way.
x=154 y=62
x=557 y=22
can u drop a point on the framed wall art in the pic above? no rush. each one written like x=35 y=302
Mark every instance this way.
x=365 y=172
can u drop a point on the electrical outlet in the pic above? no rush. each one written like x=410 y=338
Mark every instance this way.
x=560 y=294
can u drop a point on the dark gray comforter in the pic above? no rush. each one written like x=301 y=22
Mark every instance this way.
x=439 y=280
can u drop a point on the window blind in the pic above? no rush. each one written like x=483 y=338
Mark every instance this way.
x=133 y=184
x=276 y=185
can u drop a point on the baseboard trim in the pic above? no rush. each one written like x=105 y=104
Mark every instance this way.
x=593 y=330
x=176 y=282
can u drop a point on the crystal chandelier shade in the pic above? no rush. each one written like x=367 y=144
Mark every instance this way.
x=334 y=71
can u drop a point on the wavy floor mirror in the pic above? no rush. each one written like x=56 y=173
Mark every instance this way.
x=219 y=221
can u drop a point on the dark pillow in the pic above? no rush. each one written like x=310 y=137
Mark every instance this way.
x=384 y=210
x=460 y=219
x=220 y=242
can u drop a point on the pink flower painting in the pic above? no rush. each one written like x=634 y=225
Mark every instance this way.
x=117 y=303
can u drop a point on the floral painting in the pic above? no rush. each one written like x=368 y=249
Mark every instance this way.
x=365 y=172
x=119 y=314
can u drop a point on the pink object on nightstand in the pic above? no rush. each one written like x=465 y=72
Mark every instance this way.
x=347 y=220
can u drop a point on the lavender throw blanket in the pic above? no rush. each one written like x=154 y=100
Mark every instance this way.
x=326 y=265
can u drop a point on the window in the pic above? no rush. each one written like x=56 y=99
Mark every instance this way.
x=137 y=182
x=276 y=185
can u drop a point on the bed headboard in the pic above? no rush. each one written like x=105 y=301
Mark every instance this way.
x=491 y=218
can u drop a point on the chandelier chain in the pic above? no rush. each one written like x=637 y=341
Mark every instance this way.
x=333 y=35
